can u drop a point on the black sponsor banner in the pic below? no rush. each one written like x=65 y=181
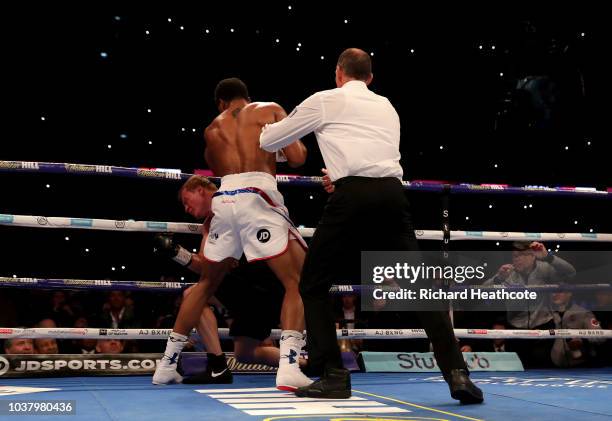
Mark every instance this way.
x=77 y=365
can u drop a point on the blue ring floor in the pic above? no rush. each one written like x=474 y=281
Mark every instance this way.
x=584 y=394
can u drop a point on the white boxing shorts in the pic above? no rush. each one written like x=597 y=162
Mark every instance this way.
x=250 y=217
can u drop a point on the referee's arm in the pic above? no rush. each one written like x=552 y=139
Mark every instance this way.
x=304 y=119
x=294 y=154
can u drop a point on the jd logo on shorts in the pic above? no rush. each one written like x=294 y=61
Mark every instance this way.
x=263 y=235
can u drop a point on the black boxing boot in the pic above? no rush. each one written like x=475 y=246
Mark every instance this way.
x=217 y=372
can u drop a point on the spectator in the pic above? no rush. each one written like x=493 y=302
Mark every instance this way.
x=109 y=346
x=348 y=314
x=59 y=309
x=46 y=346
x=348 y=317
x=8 y=304
x=117 y=314
x=603 y=309
x=46 y=324
x=465 y=347
x=18 y=346
x=82 y=346
x=468 y=320
x=532 y=265
x=59 y=346
x=568 y=315
x=494 y=345
x=604 y=315
x=499 y=345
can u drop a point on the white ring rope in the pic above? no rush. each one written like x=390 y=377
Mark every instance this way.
x=97 y=333
x=33 y=221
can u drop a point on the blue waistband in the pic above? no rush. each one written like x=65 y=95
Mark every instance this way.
x=235 y=192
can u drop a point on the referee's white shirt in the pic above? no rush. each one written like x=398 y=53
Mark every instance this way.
x=358 y=131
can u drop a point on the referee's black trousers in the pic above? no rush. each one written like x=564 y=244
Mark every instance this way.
x=362 y=214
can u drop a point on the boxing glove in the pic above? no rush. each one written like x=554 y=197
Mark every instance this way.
x=166 y=247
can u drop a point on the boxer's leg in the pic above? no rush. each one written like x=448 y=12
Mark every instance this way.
x=188 y=316
x=287 y=268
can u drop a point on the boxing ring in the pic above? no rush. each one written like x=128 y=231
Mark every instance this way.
x=526 y=395
x=535 y=395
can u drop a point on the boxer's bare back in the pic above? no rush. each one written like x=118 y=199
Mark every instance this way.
x=232 y=140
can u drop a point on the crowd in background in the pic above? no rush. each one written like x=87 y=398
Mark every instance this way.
x=126 y=309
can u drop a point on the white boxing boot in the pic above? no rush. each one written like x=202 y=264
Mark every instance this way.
x=289 y=376
x=166 y=373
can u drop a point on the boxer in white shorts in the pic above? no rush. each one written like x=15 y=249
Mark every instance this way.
x=248 y=216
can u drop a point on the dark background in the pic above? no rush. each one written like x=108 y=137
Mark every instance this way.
x=94 y=74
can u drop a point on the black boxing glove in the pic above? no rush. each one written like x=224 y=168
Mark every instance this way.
x=165 y=246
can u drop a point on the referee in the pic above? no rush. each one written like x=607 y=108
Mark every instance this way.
x=358 y=133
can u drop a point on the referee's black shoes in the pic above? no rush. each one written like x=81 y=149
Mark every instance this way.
x=335 y=384
x=462 y=388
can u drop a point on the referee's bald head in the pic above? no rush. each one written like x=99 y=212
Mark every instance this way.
x=356 y=64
